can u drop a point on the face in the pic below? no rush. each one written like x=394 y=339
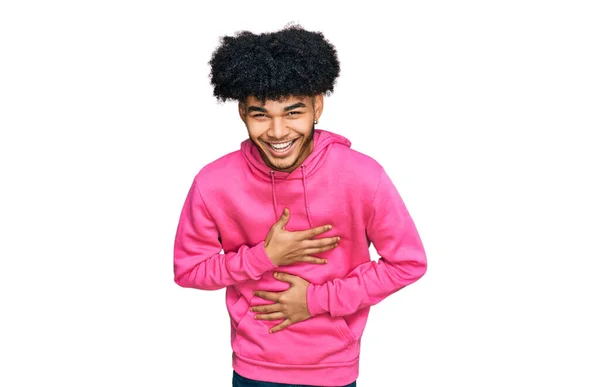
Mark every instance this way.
x=283 y=130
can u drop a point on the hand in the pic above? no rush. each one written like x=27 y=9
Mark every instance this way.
x=289 y=305
x=287 y=247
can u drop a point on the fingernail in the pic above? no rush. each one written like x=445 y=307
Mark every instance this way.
x=338 y=239
x=275 y=275
x=329 y=227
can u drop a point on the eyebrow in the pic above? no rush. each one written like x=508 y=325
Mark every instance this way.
x=285 y=109
x=256 y=109
x=294 y=106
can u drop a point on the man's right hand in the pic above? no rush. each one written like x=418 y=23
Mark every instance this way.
x=287 y=247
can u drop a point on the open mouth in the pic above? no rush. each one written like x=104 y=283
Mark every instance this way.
x=282 y=146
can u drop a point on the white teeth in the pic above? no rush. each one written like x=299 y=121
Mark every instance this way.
x=282 y=146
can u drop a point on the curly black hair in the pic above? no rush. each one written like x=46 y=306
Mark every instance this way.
x=274 y=65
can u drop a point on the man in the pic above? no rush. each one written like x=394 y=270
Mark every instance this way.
x=294 y=212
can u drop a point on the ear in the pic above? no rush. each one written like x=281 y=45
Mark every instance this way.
x=242 y=111
x=318 y=105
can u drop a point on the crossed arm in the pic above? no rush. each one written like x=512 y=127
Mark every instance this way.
x=402 y=261
x=389 y=227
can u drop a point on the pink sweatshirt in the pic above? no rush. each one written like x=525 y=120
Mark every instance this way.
x=229 y=209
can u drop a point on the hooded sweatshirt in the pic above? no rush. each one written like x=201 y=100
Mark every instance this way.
x=227 y=214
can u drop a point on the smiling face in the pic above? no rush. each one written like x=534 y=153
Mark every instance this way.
x=283 y=130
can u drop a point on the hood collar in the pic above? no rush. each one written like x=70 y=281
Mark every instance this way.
x=322 y=142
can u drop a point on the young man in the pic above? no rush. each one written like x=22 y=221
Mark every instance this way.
x=285 y=223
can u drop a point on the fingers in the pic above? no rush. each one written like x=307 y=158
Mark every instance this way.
x=322 y=242
x=311 y=259
x=316 y=250
x=286 y=323
x=270 y=316
x=267 y=308
x=309 y=234
x=267 y=295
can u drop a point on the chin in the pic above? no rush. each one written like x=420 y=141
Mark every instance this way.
x=281 y=167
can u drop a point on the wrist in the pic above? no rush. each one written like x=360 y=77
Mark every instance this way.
x=269 y=253
x=257 y=262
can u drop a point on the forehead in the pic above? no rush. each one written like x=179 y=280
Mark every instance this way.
x=277 y=105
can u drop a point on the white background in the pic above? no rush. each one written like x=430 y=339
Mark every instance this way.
x=483 y=113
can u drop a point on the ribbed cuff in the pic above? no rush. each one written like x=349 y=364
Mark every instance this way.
x=260 y=262
x=316 y=299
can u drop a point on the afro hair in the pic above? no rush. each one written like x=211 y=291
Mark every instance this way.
x=273 y=66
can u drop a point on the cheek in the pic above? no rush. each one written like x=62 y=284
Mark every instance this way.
x=255 y=130
x=301 y=125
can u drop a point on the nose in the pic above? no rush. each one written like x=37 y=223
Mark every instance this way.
x=277 y=129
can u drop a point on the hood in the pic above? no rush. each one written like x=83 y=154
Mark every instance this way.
x=323 y=140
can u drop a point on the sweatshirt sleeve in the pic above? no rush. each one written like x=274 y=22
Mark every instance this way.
x=402 y=259
x=198 y=262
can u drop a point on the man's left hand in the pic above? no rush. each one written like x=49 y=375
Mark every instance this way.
x=289 y=305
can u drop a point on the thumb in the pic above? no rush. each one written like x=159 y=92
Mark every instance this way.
x=285 y=217
x=285 y=277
